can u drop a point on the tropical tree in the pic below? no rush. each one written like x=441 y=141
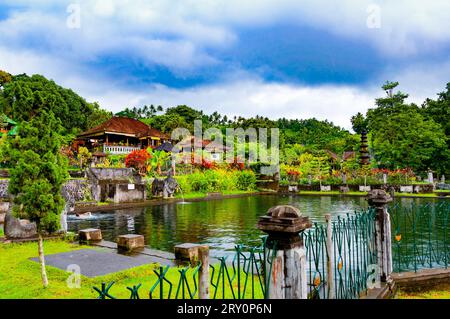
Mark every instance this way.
x=401 y=136
x=37 y=175
x=158 y=159
x=5 y=77
x=138 y=160
x=83 y=156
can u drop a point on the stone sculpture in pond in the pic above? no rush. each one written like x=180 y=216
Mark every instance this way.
x=165 y=187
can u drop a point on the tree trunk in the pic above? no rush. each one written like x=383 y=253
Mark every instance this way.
x=42 y=261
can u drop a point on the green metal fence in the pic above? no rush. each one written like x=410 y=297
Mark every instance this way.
x=420 y=236
x=243 y=275
x=351 y=254
x=420 y=239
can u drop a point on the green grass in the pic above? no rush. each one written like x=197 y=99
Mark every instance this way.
x=20 y=277
x=439 y=292
x=332 y=193
x=194 y=195
x=432 y=195
x=2 y=233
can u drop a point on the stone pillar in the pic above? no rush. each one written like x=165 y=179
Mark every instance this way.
x=130 y=242
x=379 y=199
x=284 y=224
x=203 y=273
x=90 y=235
x=330 y=258
x=384 y=178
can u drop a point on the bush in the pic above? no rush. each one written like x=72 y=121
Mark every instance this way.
x=246 y=180
x=217 y=180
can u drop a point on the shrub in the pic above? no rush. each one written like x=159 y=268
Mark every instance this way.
x=246 y=180
x=138 y=160
x=185 y=183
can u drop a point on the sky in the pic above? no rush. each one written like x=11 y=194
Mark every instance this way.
x=283 y=58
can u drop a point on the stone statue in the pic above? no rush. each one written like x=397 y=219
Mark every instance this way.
x=166 y=187
x=69 y=207
x=18 y=229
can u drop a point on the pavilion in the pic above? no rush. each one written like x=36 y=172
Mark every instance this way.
x=120 y=135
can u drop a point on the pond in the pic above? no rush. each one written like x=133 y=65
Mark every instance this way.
x=220 y=223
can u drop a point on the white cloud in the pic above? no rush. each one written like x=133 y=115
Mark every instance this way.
x=180 y=34
x=168 y=32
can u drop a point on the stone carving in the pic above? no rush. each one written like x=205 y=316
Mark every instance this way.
x=4 y=188
x=18 y=229
x=69 y=207
x=166 y=188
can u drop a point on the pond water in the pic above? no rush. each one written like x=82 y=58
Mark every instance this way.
x=220 y=223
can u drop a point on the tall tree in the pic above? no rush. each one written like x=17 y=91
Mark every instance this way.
x=37 y=175
x=26 y=96
x=402 y=137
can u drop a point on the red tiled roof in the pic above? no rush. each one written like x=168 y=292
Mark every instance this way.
x=119 y=125
x=154 y=133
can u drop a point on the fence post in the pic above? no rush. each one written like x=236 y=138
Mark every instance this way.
x=330 y=256
x=287 y=270
x=378 y=199
x=203 y=273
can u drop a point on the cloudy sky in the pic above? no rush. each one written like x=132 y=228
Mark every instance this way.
x=279 y=58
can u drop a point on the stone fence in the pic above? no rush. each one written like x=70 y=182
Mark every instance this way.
x=419 y=188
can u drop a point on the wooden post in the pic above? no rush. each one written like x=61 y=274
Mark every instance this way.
x=203 y=273
x=330 y=257
x=379 y=199
x=287 y=279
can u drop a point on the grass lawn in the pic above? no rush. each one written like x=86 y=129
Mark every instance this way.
x=20 y=277
x=440 y=292
x=333 y=193
x=193 y=195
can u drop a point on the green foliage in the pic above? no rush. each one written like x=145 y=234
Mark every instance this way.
x=315 y=135
x=167 y=123
x=83 y=156
x=439 y=111
x=359 y=123
x=25 y=97
x=405 y=136
x=38 y=172
x=140 y=112
x=5 y=77
x=217 y=180
x=246 y=180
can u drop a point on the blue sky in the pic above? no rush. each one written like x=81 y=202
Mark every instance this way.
x=286 y=58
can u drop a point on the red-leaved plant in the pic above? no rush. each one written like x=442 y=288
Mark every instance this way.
x=138 y=160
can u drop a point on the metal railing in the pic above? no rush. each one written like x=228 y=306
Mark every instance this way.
x=341 y=258
x=119 y=149
x=244 y=275
x=339 y=267
x=420 y=236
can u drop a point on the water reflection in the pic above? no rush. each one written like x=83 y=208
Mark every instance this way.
x=219 y=223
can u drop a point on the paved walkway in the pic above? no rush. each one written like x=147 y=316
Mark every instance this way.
x=101 y=261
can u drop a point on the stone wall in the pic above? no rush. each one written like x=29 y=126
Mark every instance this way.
x=124 y=194
x=422 y=188
x=73 y=190
x=119 y=185
x=76 y=190
x=114 y=175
